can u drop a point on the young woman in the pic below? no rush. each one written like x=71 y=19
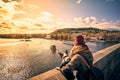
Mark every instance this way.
x=79 y=48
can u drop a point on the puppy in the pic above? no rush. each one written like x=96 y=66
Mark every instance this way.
x=65 y=58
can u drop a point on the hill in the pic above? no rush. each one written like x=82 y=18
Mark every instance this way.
x=89 y=34
x=78 y=30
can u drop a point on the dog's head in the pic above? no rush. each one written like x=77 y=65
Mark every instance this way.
x=62 y=55
x=65 y=58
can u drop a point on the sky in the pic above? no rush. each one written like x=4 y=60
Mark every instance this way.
x=45 y=16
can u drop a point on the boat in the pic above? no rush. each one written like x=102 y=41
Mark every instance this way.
x=97 y=41
x=68 y=43
x=25 y=40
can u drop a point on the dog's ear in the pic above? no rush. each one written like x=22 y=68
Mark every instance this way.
x=61 y=55
x=66 y=51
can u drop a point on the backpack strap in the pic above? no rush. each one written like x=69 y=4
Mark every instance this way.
x=83 y=60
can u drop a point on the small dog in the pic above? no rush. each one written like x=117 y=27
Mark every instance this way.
x=65 y=58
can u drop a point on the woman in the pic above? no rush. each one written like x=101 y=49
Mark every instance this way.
x=76 y=63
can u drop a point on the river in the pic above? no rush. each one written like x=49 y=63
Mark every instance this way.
x=20 y=60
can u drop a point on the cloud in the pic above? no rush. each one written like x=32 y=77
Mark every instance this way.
x=9 y=9
x=29 y=25
x=103 y=19
x=45 y=17
x=11 y=0
x=17 y=13
x=86 y=22
x=45 y=21
x=92 y=22
x=108 y=25
x=80 y=19
x=32 y=6
x=117 y=23
x=79 y=1
x=15 y=17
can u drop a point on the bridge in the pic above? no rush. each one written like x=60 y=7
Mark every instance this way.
x=107 y=60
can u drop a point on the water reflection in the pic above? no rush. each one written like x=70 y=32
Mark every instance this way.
x=13 y=62
x=26 y=59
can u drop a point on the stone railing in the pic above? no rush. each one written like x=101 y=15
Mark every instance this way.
x=106 y=59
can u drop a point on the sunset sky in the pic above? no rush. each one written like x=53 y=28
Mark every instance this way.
x=45 y=16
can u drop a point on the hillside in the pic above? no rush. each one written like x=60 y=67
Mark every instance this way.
x=78 y=30
x=89 y=34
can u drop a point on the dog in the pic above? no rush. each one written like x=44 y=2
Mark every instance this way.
x=65 y=58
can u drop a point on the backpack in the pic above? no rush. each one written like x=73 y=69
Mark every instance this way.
x=93 y=73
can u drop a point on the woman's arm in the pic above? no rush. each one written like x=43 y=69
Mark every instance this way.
x=67 y=70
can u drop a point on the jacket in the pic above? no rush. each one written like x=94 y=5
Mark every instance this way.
x=76 y=64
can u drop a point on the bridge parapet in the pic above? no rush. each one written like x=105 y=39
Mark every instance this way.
x=106 y=59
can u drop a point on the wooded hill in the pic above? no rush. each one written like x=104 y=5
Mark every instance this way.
x=79 y=30
x=89 y=33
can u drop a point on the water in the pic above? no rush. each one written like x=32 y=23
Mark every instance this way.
x=22 y=60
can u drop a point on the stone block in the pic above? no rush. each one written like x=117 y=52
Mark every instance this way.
x=50 y=75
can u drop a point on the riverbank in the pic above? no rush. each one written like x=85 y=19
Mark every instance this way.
x=3 y=41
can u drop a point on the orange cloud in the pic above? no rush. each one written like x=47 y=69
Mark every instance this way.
x=20 y=17
x=45 y=17
x=9 y=9
x=18 y=13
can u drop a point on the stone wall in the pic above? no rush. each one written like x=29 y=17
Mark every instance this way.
x=49 y=75
x=106 y=59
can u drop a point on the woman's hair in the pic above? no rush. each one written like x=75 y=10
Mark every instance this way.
x=79 y=40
